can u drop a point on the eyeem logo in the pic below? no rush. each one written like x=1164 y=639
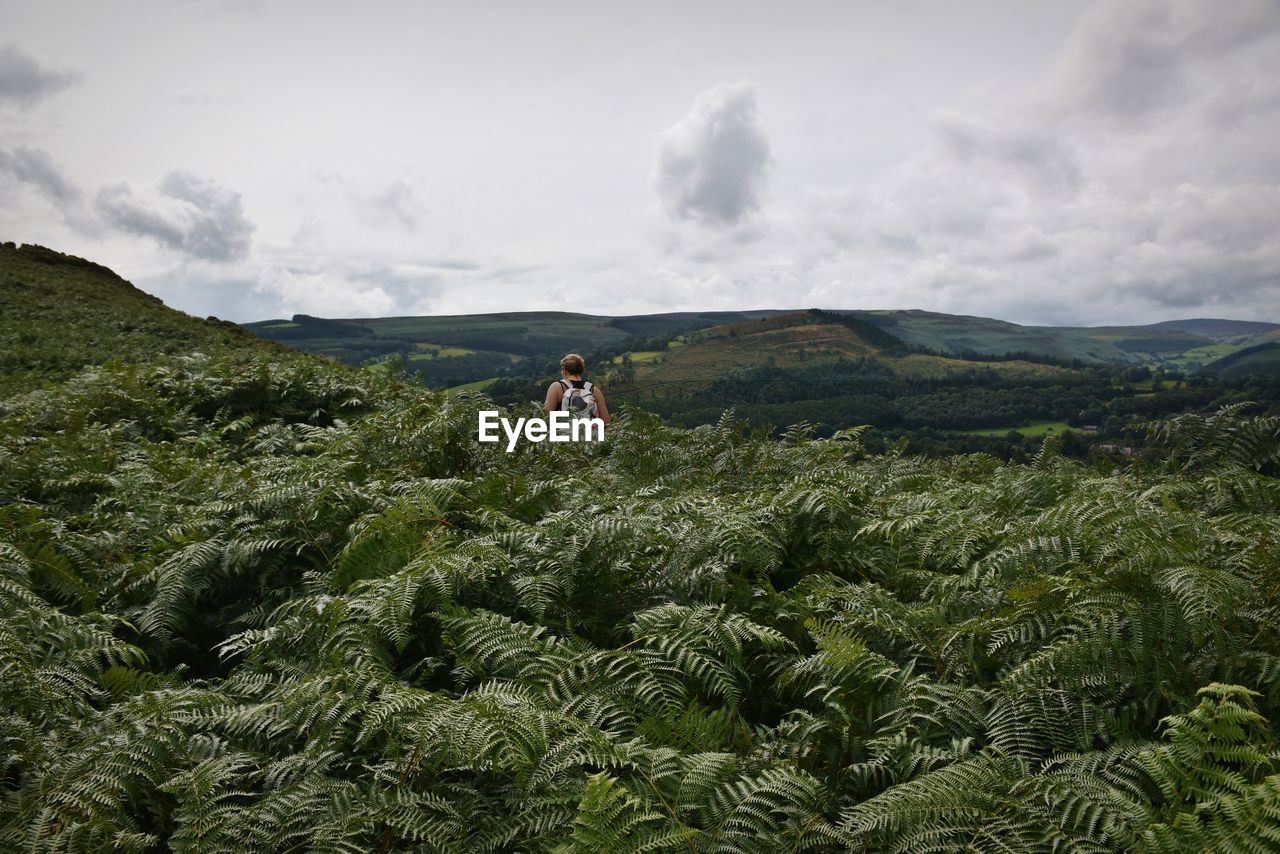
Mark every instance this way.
x=562 y=427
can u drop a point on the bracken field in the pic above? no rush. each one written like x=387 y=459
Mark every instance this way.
x=254 y=602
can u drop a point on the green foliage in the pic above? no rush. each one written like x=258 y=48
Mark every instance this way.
x=61 y=313
x=249 y=600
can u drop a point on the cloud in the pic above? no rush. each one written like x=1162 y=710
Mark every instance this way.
x=397 y=203
x=1123 y=201
x=1043 y=162
x=1243 y=101
x=196 y=216
x=1128 y=59
x=35 y=168
x=321 y=294
x=711 y=165
x=23 y=81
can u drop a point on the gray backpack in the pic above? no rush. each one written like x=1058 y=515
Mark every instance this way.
x=580 y=403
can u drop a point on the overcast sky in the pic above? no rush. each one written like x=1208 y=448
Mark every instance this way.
x=1044 y=162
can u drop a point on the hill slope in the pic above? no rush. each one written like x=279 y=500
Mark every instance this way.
x=1166 y=342
x=1259 y=360
x=60 y=313
x=795 y=341
x=464 y=349
x=1218 y=328
x=508 y=334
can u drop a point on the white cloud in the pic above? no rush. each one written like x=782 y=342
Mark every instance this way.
x=1124 y=201
x=321 y=294
x=711 y=164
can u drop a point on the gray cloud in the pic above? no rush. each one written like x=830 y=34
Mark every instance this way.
x=1128 y=59
x=1044 y=162
x=1243 y=101
x=1123 y=201
x=711 y=164
x=193 y=215
x=397 y=203
x=35 y=168
x=23 y=81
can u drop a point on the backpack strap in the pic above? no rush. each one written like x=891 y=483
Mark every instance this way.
x=586 y=386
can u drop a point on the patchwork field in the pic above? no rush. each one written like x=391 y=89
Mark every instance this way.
x=1035 y=428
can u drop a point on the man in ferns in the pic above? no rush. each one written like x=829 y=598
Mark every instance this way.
x=574 y=395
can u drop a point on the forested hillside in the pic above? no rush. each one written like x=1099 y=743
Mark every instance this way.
x=448 y=350
x=944 y=383
x=836 y=370
x=253 y=601
x=460 y=349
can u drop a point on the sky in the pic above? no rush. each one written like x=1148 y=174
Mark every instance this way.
x=1042 y=162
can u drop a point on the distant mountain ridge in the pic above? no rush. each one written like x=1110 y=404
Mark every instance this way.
x=1217 y=328
x=488 y=342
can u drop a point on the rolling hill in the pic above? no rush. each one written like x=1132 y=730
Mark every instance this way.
x=464 y=349
x=798 y=341
x=509 y=335
x=1258 y=360
x=1153 y=344
x=62 y=313
x=1220 y=330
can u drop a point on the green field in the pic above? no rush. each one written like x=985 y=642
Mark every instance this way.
x=1035 y=428
x=1203 y=355
x=478 y=385
x=442 y=351
x=641 y=356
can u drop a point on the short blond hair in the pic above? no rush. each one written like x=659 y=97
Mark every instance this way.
x=573 y=365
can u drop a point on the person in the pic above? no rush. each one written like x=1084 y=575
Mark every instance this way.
x=571 y=370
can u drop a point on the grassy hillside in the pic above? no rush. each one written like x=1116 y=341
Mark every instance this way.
x=59 y=313
x=1218 y=329
x=1259 y=360
x=962 y=333
x=1156 y=344
x=804 y=341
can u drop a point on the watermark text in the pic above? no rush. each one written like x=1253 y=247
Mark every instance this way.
x=559 y=426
